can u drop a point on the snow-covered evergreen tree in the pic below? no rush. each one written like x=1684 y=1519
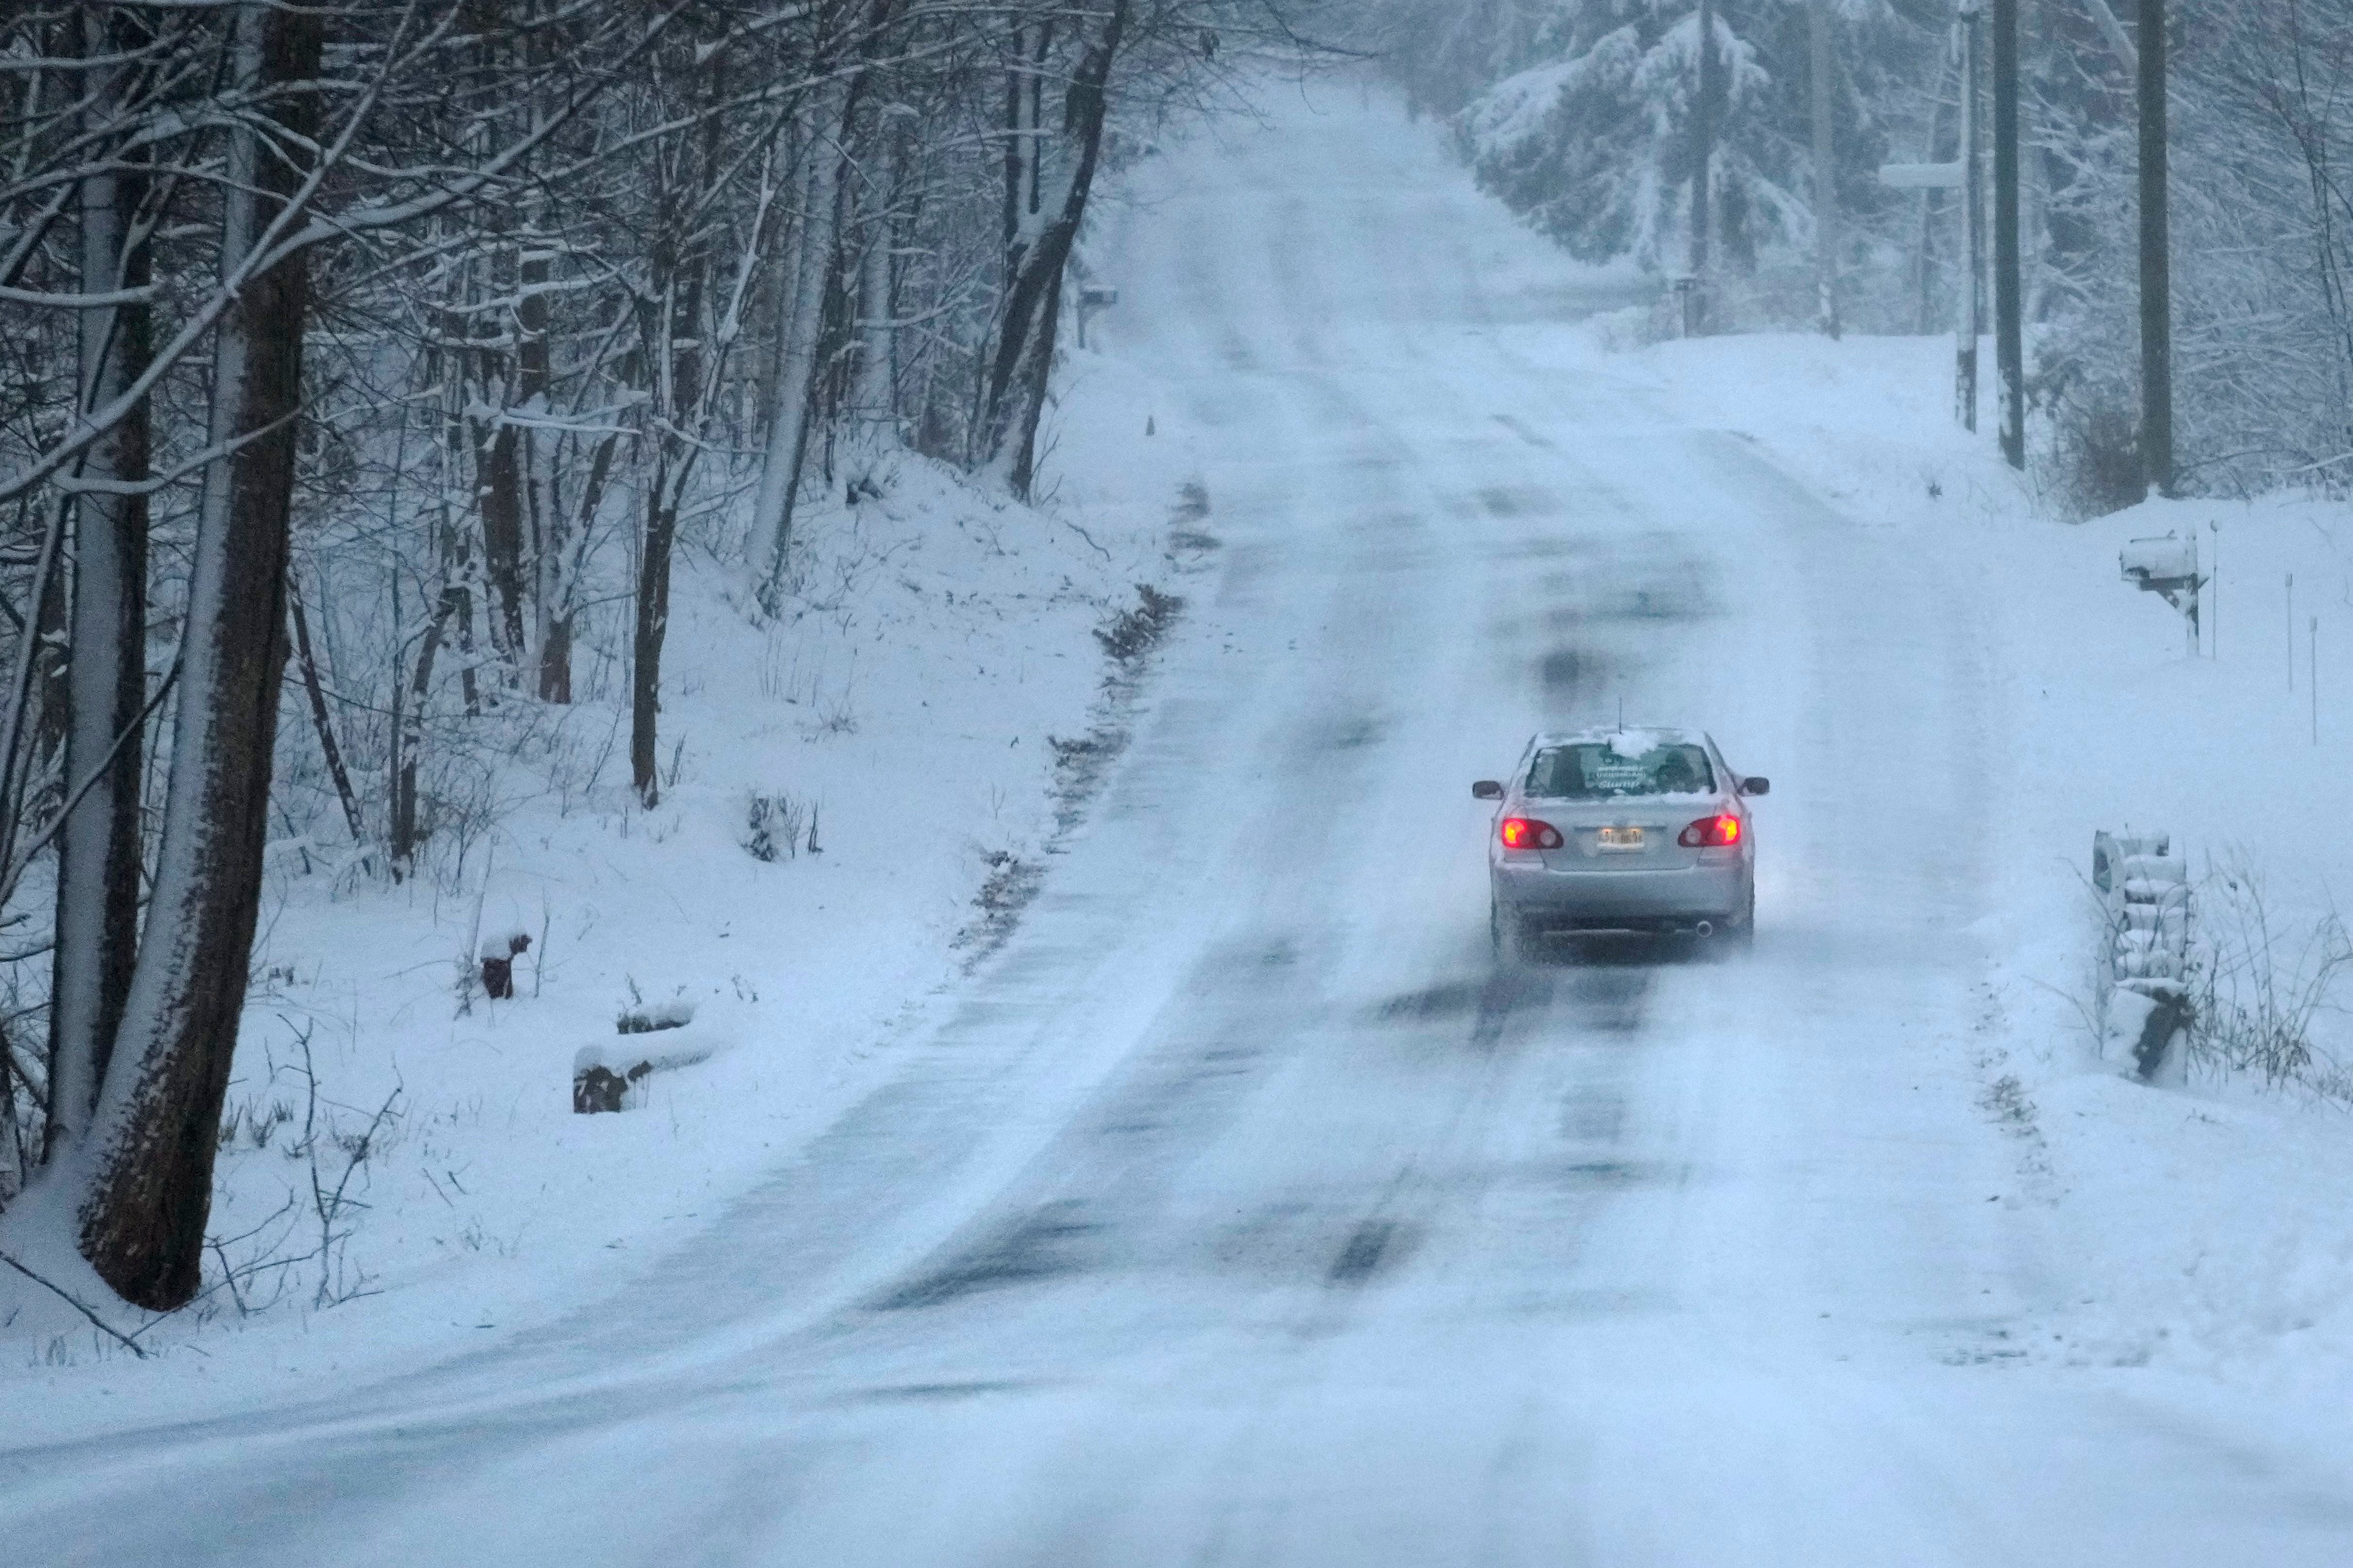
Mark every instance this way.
x=1595 y=140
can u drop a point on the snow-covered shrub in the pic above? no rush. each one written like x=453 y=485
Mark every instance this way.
x=1131 y=634
x=253 y=1121
x=653 y=1018
x=2260 y=983
x=772 y=825
x=2089 y=462
x=1012 y=882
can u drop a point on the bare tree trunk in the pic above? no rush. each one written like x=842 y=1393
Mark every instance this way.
x=1024 y=356
x=555 y=654
x=1040 y=52
x=799 y=364
x=50 y=680
x=874 y=396
x=1015 y=112
x=551 y=585
x=99 y=848
x=320 y=719
x=408 y=733
x=150 y=1149
x=774 y=303
x=16 y=1154
x=498 y=443
x=445 y=372
x=652 y=627
x=500 y=464
x=685 y=349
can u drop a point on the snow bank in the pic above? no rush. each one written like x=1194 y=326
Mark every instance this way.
x=2212 y=1214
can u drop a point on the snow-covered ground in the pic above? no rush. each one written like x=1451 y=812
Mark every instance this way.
x=1238 y=1209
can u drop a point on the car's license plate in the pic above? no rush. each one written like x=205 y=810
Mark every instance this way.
x=1621 y=838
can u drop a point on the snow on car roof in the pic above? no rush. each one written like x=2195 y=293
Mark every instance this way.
x=1641 y=737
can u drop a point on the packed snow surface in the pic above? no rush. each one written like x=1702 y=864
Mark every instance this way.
x=1238 y=1209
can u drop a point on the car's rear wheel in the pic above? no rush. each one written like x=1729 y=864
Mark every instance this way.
x=1508 y=931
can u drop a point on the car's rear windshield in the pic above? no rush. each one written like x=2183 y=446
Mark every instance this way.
x=1601 y=770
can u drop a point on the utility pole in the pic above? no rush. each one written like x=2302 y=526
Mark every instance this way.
x=1703 y=150
x=2155 y=277
x=1973 y=295
x=1826 y=209
x=2009 y=350
x=1970 y=327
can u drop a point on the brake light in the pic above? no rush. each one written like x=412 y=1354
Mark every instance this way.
x=1526 y=833
x=1711 y=832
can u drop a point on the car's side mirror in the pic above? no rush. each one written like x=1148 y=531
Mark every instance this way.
x=1487 y=789
x=1756 y=786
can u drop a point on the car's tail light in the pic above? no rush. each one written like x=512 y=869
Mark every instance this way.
x=1526 y=833
x=1711 y=832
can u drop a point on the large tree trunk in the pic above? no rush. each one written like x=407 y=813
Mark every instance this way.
x=149 y=1163
x=1024 y=356
x=98 y=846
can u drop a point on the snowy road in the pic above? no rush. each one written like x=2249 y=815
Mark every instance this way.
x=1241 y=1214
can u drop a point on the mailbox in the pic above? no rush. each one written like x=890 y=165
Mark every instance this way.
x=2150 y=562
x=2167 y=566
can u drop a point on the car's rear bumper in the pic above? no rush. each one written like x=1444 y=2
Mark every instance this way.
x=1623 y=900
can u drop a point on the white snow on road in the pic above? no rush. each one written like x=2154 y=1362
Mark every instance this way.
x=1240 y=1211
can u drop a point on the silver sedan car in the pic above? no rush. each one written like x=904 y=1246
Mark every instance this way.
x=1620 y=831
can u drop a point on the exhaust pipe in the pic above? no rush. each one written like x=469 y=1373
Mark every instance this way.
x=1704 y=928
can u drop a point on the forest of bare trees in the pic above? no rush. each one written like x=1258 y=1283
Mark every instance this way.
x=367 y=367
